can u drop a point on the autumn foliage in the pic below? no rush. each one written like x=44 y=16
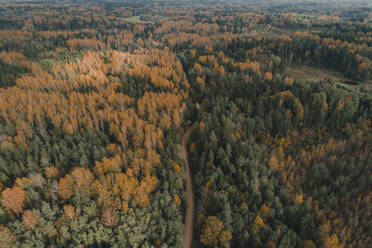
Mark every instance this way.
x=29 y=220
x=13 y=199
x=213 y=233
x=95 y=98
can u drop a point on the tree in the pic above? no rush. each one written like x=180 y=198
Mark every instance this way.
x=13 y=199
x=258 y=221
x=70 y=213
x=110 y=217
x=51 y=172
x=331 y=242
x=83 y=179
x=265 y=210
x=29 y=220
x=273 y=163
x=298 y=199
x=212 y=232
x=177 y=200
x=37 y=180
x=308 y=244
x=7 y=238
x=225 y=237
x=65 y=187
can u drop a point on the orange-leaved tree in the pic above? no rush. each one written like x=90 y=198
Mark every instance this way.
x=29 y=220
x=13 y=199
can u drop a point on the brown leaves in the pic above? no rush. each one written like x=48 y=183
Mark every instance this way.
x=70 y=213
x=72 y=111
x=7 y=238
x=160 y=77
x=198 y=67
x=125 y=186
x=177 y=200
x=108 y=165
x=265 y=210
x=83 y=179
x=37 y=180
x=22 y=182
x=152 y=103
x=273 y=163
x=258 y=221
x=83 y=94
x=51 y=172
x=268 y=76
x=80 y=179
x=219 y=69
x=122 y=187
x=289 y=81
x=192 y=147
x=147 y=185
x=29 y=220
x=65 y=187
x=110 y=217
x=85 y=43
x=308 y=244
x=13 y=199
x=175 y=166
x=298 y=199
x=212 y=232
x=331 y=242
x=253 y=66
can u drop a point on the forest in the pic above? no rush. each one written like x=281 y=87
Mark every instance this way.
x=270 y=101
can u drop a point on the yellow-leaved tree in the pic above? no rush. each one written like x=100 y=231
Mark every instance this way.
x=213 y=232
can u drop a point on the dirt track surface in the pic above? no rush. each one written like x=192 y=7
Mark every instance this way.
x=189 y=219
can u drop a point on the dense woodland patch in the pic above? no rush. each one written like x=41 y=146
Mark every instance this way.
x=95 y=98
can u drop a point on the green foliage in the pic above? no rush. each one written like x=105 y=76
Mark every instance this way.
x=9 y=73
x=276 y=161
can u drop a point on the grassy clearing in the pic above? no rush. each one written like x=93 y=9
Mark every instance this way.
x=318 y=74
x=313 y=73
x=134 y=19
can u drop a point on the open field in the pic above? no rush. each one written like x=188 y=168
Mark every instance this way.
x=316 y=74
x=313 y=73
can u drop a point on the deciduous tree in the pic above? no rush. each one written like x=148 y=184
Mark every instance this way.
x=13 y=199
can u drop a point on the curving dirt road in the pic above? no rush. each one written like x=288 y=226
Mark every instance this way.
x=189 y=219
